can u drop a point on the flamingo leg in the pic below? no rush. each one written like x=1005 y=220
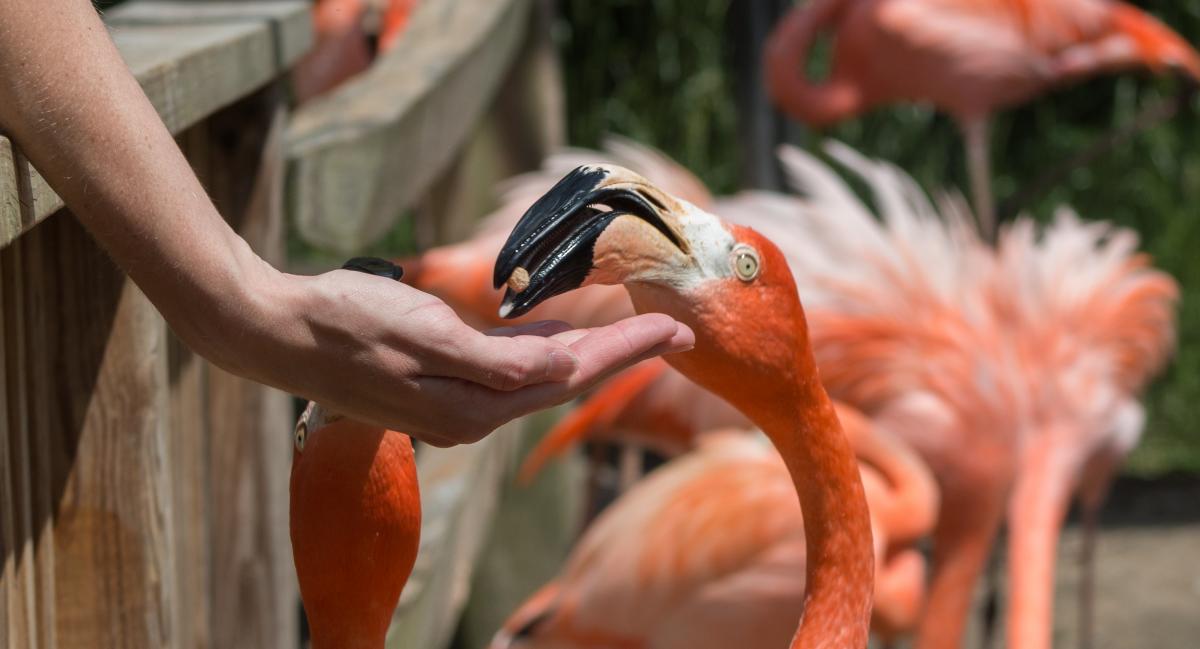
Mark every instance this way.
x=979 y=169
x=962 y=544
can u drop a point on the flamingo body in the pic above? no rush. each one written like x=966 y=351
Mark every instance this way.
x=967 y=57
x=709 y=550
x=355 y=525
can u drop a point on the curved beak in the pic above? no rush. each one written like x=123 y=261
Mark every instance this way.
x=556 y=246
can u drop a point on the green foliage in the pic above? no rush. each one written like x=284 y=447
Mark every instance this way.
x=652 y=70
x=657 y=71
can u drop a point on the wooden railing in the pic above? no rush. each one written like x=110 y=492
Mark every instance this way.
x=142 y=492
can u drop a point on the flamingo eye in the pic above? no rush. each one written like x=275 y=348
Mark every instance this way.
x=301 y=435
x=745 y=263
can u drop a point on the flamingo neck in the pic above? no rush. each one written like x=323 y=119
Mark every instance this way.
x=841 y=563
x=816 y=104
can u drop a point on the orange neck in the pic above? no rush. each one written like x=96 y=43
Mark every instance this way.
x=785 y=398
x=841 y=562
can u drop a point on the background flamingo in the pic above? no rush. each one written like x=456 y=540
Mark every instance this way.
x=969 y=58
x=342 y=48
x=709 y=551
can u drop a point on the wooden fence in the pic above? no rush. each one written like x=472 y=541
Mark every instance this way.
x=143 y=492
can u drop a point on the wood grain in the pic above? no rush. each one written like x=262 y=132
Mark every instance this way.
x=459 y=495
x=364 y=154
x=238 y=153
x=143 y=494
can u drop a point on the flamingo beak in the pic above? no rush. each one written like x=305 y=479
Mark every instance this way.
x=558 y=241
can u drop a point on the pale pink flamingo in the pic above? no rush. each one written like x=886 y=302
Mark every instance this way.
x=969 y=58
x=709 y=550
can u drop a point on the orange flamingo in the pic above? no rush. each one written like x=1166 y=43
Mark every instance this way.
x=339 y=52
x=709 y=550
x=969 y=58
x=355 y=526
x=341 y=49
x=605 y=224
x=915 y=321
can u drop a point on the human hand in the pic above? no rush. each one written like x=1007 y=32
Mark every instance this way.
x=388 y=354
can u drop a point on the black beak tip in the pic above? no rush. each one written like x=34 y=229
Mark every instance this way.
x=565 y=197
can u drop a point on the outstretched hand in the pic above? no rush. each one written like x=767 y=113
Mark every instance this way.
x=388 y=354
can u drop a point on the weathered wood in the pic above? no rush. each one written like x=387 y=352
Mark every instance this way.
x=89 y=551
x=458 y=499
x=191 y=60
x=288 y=20
x=371 y=149
x=18 y=541
x=238 y=153
x=143 y=495
x=188 y=452
x=532 y=531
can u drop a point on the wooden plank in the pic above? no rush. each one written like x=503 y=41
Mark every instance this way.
x=25 y=197
x=367 y=152
x=533 y=529
x=288 y=20
x=187 y=70
x=459 y=496
x=188 y=442
x=10 y=205
x=96 y=532
x=238 y=154
x=19 y=572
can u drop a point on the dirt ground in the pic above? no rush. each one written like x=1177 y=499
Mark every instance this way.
x=1148 y=571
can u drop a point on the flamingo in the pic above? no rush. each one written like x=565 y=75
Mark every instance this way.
x=342 y=49
x=709 y=550
x=605 y=224
x=969 y=58
x=952 y=344
x=355 y=525
x=1028 y=361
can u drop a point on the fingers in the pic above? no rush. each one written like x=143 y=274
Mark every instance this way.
x=467 y=410
x=541 y=352
x=603 y=352
x=604 y=349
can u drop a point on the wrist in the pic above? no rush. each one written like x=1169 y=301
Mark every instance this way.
x=233 y=318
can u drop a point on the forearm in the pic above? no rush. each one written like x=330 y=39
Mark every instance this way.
x=69 y=102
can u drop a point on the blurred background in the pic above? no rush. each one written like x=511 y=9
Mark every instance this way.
x=677 y=75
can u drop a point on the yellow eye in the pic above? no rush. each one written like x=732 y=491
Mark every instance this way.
x=745 y=263
x=301 y=435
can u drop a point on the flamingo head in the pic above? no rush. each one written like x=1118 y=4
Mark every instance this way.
x=607 y=225
x=355 y=519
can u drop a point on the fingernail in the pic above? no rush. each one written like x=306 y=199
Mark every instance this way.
x=562 y=364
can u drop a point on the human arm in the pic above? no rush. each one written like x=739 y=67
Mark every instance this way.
x=363 y=345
